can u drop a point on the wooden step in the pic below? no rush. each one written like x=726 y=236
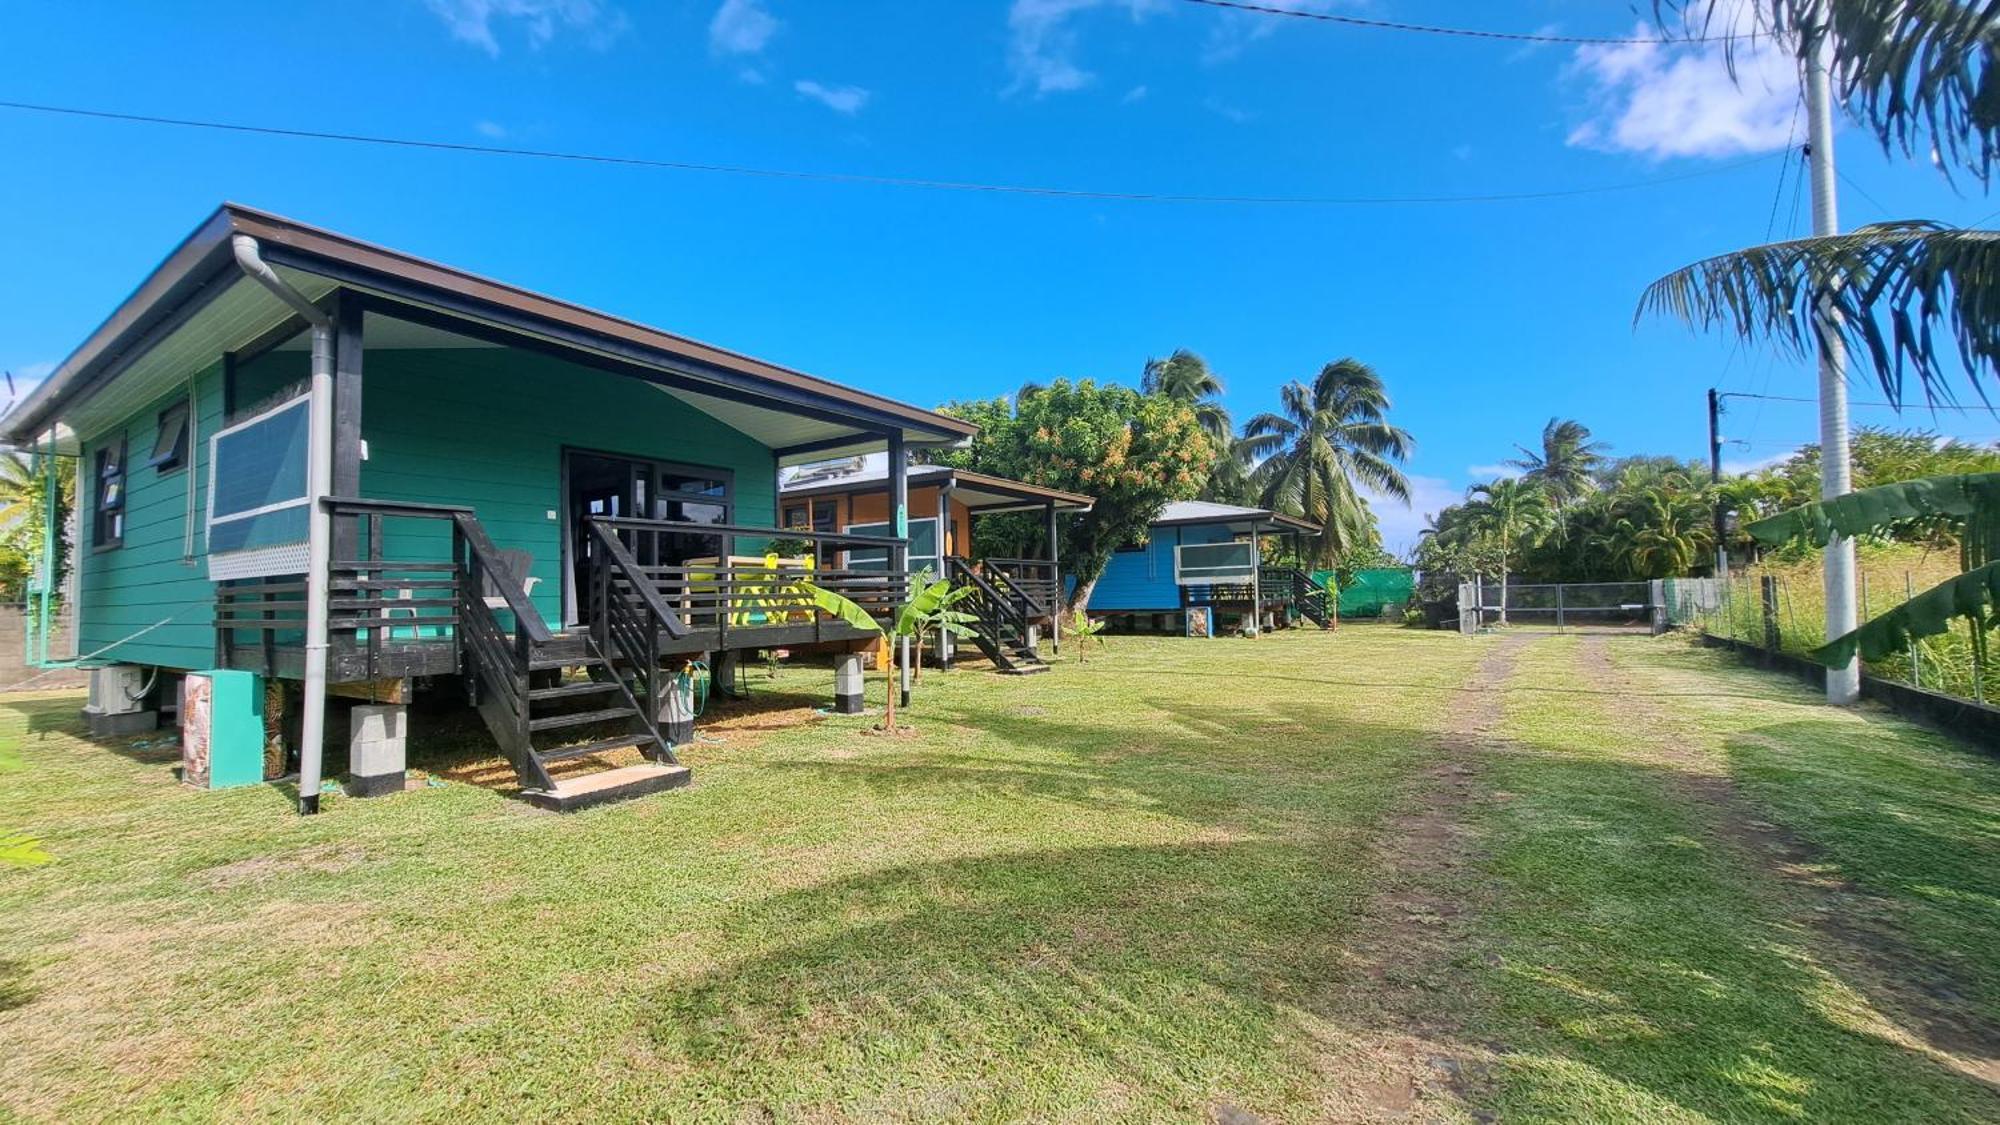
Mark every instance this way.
x=579 y=718
x=1024 y=669
x=575 y=793
x=601 y=746
x=567 y=691
x=543 y=661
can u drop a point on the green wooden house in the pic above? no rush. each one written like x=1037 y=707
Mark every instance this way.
x=341 y=466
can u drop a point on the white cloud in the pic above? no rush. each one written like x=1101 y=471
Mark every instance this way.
x=491 y=129
x=741 y=27
x=1135 y=94
x=1664 y=101
x=474 y=21
x=1400 y=524
x=840 y=99
x=1235 y=115
x=1042 y=42
x=1484 y=473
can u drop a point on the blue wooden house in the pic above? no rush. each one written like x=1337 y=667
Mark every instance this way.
x=343 y=467
x=1201 y=569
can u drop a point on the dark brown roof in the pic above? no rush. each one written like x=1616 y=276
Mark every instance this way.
x=202 y=258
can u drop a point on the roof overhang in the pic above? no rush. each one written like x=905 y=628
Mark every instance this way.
x=1259 y=523
x=980 y=493
x=197 y=303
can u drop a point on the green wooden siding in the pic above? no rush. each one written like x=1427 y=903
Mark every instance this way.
x=123 y=590
x=483 y=427
x=487 y=427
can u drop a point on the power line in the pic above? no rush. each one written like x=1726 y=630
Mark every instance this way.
x=1462 y=32
x=1885 y=405
x=880 y=181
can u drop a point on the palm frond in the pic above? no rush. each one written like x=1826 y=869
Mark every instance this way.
x=1885 y=291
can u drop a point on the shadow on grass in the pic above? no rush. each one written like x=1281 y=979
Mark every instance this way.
x=14 y=990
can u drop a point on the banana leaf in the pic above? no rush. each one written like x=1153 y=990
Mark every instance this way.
x=1962 y=496
x=1966 y=595
x=840 y=606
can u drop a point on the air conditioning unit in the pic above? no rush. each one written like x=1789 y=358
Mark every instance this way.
x=117 y=704
x=116 y=689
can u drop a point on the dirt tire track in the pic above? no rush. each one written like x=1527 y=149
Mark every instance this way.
x=1407 y=981
x=1853 y=929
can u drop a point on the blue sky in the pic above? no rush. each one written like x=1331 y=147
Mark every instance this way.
x=1486 y=319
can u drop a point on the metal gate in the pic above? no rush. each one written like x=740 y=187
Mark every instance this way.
x=1563 y=607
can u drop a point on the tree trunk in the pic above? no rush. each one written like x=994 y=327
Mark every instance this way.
x=1080 y=602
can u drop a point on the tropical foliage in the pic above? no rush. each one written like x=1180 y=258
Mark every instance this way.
x=1133 y=452
x=1567 y=464
x=1970 y=502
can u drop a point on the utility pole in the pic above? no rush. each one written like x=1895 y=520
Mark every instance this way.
x=1715 y=478
x=1843 y=685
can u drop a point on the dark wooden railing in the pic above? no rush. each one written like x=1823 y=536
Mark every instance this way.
x=997 y=618
x=630 y=620
x=1035 y=582
x=733 y=601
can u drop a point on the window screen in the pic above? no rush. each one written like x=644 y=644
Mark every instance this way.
x=923 y=547
x=257 y=505
x=1197 y=564
x=171 y=442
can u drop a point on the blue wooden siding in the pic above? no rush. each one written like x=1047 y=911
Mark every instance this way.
x=1144 y=580
x=487 y=427
x=123 y=590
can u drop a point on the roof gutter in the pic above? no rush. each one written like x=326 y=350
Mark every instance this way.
x=319 y=524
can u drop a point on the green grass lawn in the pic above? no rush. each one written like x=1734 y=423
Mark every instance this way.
x=1177 y=882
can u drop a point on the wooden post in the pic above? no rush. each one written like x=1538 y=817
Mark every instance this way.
x=347 y=353
x=1055 y=580
x=944 y=546
x=1769 y=592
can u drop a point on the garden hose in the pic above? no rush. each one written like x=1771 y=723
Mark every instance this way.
x=697 y=686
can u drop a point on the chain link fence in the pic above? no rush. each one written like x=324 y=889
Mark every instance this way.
x=1562 y=607
x=1788 y=615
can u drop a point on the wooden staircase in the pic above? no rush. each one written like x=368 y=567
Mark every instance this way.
x=550 y=698
x=999 y=623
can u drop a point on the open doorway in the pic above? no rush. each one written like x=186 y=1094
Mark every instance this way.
x=611 y=485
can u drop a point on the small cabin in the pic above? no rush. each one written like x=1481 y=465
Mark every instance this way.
x=1202 y=570
x=353 y=472
x=1015 y=602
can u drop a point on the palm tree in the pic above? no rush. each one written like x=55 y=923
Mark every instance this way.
x=1514 y=513
x=1567 y=466
x=1904 y=296
x=1330 y=441
x=1185 y=377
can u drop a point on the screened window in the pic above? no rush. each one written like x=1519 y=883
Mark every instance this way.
x=170 y=444
x=795 y=517
x=923 y=547
x=257 y=491
x=1197 y=564
x=108 y=507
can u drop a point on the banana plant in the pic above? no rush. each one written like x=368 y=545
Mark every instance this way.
x=1083 y=629
x=928 y=610
x=931 y=612
x=1969 y=500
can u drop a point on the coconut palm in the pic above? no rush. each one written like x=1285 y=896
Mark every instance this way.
x=1330 y=440
x=1514 y=514
x=1185 y=377
x=1566 y=468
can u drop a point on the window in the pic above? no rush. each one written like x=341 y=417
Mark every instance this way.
x=795 y=517
x=824 y=515
x=923 y=547
x=257 y=506
x=108 y=507
x=1132 y=546
x=171 y=442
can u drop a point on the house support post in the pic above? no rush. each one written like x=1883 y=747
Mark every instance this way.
x=376 y=741
x=946 y=549
x=1055 y=577
x=899 y=555
x=676 y=715
x=847 y=683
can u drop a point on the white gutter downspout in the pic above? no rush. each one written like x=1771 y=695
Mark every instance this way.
x=319 y=525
